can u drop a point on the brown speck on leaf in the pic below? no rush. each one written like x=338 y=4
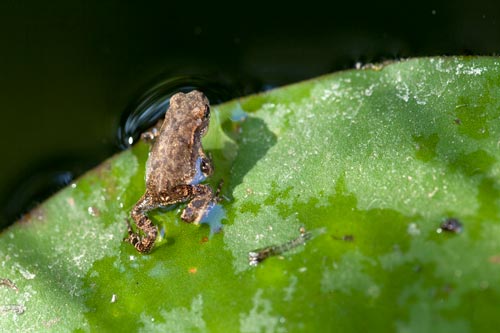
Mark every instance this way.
x=103 y=169
x=93 y=211
x=457 y=121
x=345 y=238
x=375 y=67
x=71 y=201
x=348 y=238
x=193 y=270
x=204 y=240
x=37 y=213
x=236 y=128
x=494 y=259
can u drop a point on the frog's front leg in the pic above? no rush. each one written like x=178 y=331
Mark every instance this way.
x=151 y=134
x=142 y=221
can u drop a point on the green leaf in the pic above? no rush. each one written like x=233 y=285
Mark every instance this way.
x=369 y=161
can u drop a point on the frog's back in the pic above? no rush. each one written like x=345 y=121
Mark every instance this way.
x=173 y=158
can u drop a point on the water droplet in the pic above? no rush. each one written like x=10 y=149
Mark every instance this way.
x=451 y=225
x=484 y=285
x=413 y=229
x=214 y=218
x=238 y=115
x=24 y=272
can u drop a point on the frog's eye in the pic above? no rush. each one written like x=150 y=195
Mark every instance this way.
x=205 y=167
x=207 y=111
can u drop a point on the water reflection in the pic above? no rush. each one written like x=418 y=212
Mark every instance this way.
x=214 y=219
x=151 y=105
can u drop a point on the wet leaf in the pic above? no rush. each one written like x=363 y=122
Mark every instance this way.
x=374 y=163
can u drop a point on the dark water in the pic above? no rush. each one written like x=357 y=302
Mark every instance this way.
x=75 y=76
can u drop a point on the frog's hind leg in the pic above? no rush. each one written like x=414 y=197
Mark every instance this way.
x=202 y=201
x=143 y=223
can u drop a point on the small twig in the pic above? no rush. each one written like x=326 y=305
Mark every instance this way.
x=259 y=255
x=13 y=308
x=9 y=283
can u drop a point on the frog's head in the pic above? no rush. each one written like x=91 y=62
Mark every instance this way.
x=196 y=104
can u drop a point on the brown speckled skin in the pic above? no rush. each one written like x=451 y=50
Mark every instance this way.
x=175 y=165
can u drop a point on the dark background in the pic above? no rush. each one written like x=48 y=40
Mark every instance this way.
x=71 y=70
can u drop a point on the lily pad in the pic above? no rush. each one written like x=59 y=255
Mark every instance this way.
x=371 y=162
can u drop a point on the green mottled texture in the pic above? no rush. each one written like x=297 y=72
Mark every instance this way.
x=371 y=161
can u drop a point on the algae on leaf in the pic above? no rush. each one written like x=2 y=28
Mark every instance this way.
x=371 y=161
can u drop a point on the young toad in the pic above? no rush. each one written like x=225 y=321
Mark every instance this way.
x=175 y=167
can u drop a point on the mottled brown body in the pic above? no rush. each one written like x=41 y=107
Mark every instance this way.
x=176 y=165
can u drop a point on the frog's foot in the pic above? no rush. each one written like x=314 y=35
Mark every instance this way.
x=142 y=244
x=135 y=239
x=132 y=238
x=203 y=200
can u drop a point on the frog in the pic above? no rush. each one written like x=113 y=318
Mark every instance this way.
x=175 y=168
